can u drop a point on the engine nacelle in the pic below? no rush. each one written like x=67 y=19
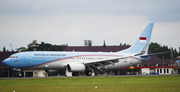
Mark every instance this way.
x=74 y=67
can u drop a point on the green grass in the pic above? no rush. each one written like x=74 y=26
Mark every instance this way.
x=87 y=84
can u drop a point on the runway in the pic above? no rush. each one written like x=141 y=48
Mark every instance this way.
x=78 y=76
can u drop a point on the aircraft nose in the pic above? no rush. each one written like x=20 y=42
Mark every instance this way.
x=5 y=62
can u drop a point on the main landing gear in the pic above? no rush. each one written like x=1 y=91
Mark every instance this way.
x=87 y=73
x=75 y=73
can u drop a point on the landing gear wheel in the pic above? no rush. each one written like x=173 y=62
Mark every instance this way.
x=75 y=74
x=88 y=73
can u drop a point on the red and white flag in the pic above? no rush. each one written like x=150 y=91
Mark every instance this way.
x=142 y=39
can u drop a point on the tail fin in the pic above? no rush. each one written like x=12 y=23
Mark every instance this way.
x=141 y=44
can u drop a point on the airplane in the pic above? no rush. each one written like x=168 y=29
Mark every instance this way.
x=86 y=62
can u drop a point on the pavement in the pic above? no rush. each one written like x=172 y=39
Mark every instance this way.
x=78 y=76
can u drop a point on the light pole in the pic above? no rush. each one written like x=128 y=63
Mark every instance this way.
x=163 y=64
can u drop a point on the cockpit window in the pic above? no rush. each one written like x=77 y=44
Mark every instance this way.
x=13 y=57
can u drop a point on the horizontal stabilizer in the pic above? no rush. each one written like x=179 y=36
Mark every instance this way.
x=147 y=55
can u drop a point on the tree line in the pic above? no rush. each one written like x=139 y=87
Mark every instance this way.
x=153 y=47
x=47 y=47
x=43 y=47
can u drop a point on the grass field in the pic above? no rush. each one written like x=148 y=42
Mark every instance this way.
x=88 y=84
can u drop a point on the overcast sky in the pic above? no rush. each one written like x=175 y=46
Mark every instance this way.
x=72 y=21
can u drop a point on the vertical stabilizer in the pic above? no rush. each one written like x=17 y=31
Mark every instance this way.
x=141 y=45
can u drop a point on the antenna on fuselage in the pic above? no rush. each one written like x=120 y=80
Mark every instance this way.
x=11 y=47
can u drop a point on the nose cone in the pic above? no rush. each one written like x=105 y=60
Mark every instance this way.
x=5 y=62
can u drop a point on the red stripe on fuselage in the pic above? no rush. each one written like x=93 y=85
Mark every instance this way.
x=73 y=57
x=82 y=56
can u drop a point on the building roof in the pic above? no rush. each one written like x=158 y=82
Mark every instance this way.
x=156 y=60
x=178 y=57
x=96 y=48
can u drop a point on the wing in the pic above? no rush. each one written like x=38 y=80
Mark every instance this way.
x=102 y=63
x=112 y=61
x=147 y=55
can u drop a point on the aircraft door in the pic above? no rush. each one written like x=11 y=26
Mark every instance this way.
x=26 y=59
x=131 y=60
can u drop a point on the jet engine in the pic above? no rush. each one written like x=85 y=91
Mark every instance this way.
x=74 y=67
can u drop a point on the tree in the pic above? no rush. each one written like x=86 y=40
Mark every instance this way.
x=21 y=49
x=175 y=53
x=47 y=47
x=155 y=48
x=120 y=44
x=4 y=49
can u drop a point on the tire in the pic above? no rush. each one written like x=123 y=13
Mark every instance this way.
x=88 y=73
x=75 y=74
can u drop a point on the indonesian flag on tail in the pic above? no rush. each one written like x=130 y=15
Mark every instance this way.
x=142 y=39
